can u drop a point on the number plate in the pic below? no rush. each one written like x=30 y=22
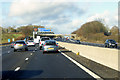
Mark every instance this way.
x=50 y=48
x=20 y=45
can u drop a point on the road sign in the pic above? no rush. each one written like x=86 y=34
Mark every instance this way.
x=8 y=40
x=44 y=30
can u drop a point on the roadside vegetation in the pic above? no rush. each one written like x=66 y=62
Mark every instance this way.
x=97 y=32
x=17 y=33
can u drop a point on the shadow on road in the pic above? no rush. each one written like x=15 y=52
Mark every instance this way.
x=22 y=74
x=52 y=52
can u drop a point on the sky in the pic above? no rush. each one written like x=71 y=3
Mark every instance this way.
x=62 y=16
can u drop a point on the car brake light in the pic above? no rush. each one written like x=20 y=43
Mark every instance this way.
x=40 y=42
x=56 y=45
x=14 y=44
x=24 y=44
x=44 y=44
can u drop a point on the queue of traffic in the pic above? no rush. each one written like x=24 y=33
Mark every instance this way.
x=47 y=44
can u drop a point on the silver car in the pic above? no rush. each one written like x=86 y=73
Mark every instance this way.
x=42 y=40
x=20 y=45
x=50 y=45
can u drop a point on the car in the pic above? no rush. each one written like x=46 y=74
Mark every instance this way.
x=110 y=43
x=30 y=43
x=50 y=45
x=77 y=41
x=72 y=40
x=12 y=45
x=20 y=45
x=42 y=40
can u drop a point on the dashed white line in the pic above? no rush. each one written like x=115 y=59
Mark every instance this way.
x=8 y=51
x=31 y=54
x=33 y=51
x=81 y=66
x=18 y=68
x=26 y=59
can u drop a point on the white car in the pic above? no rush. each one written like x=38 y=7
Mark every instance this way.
x=42 y=40
x=30 y=43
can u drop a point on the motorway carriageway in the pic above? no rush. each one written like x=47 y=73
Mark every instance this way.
x=33 y=64
x=86 y=43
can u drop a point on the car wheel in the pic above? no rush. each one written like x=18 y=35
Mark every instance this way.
x=115 y=46
x=15 y=50
x=43 y=52
x=40 y=48
x=105 y=46
x=26 y=49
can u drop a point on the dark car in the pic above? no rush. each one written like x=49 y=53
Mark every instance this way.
x=110 y=43
x=77 y=41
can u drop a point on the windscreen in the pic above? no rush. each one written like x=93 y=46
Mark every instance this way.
x=20 y=42
x=43 y=39
x=112 y=41
x=30 y=41
x=50 y=43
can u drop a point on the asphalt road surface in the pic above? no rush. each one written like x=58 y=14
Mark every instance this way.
x=33 y=64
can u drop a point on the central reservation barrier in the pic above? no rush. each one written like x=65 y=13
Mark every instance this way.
x=105 y=56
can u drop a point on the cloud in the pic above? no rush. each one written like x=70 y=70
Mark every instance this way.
x=110 y=18
x=44 y=13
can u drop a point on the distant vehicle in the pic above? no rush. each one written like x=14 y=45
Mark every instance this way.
x=72 y=40
x=77 y=41
x=30 y=43
x=42 y=40
x=36 y=40
x=110 y=43
x=12 y=44
x=20 y=45
x=50 y=45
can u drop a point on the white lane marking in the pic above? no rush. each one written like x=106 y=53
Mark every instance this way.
x=81 y=66
x=26 y=59
x=31 y=54
x=18 y=68
x=8 y=51
x=33 y=51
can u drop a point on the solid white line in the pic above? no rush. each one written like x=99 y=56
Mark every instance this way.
x=81 y=66
x=18 y=68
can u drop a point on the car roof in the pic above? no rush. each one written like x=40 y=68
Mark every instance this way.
x=45 y=37
x=51 y=40
x=20 y=41
x=110 y=39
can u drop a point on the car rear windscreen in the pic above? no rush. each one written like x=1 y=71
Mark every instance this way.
x=112 y=41
x=30 y=41
x=43 y=39
x=20 y=42
x=50 y=43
